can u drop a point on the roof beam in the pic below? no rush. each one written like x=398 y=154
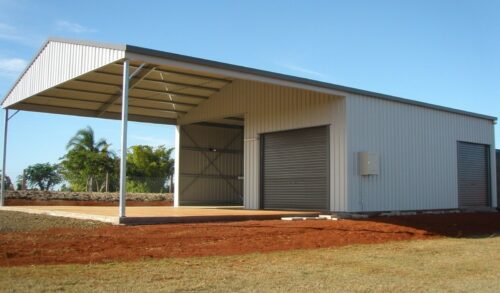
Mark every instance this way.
x=91 y=113
x=117 y=86
x=187 y=85
x=235 y=118
x=84 y=91
x=152 y=98
x=141 y=75
x=155 y=99
x=65 y=98
x=98 y=102
x=172 y=93
x=114 y=85
x=192 y=75
x=156 y=109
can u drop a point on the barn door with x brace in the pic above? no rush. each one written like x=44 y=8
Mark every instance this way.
x=211 y=163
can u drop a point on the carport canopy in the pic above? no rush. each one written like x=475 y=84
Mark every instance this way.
x=90 y=79
x=111 y=81
x=86 y=79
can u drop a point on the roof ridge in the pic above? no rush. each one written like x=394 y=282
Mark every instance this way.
x=115 y=46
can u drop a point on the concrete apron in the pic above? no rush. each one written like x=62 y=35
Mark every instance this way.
x=177 y=215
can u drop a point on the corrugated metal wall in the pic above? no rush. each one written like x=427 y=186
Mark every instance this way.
x=268 y=108
x=498 y=176
x=417 y=150
x=72 y=60
x=211 y=159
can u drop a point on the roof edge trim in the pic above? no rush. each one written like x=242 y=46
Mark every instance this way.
x=121 y=47
x=60 y=40
x=290 y=78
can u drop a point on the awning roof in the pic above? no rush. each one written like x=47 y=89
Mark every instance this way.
x=84 y=79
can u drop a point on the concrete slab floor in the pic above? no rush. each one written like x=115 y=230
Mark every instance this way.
x=158 y=214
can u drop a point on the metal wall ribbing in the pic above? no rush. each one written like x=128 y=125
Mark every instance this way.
x=417 y=149
x=58 y=62
x=211 y=160
x=498 y=175
x=268 y=108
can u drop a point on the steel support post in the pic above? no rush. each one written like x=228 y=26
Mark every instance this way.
x=123 y=157
x=177 y=165
x=6 y=127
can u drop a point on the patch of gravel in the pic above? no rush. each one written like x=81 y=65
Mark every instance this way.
x=21 y=222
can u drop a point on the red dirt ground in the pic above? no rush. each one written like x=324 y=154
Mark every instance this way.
x=28 y=202
x=129 y=243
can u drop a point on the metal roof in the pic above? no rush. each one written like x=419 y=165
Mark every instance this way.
x=84 y=78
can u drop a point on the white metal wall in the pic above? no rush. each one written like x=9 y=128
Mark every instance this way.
x=268 y=108
x=58 y=62
x=417 y=150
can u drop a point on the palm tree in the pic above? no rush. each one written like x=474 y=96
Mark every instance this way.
x=84 y=140
x=98 y=159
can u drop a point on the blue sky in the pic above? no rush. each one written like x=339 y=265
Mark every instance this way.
x=441 y=52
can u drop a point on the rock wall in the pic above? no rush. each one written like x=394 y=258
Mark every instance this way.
x=85 y=196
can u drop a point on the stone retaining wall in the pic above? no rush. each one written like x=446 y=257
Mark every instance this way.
x=85 y=196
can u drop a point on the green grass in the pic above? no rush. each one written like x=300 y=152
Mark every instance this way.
x=446 y=265
x=21 y=222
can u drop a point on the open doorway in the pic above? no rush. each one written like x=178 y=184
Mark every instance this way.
x=211 y=163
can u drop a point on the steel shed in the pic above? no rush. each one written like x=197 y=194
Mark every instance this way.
x=224 y=114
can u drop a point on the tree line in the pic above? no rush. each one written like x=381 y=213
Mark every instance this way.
x=90 y=165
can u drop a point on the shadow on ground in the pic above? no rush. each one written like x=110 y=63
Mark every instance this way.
x=474 y=225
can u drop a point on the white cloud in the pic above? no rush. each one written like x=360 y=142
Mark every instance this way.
x=13 y=34
x=10 y=33
x=5 y=28
x=73 y=27
x=12 y=66
x=301 y=69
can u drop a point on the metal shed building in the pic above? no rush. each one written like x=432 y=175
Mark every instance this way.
x=268 y=140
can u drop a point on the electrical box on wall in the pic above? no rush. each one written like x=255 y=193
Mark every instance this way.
x=368 y=163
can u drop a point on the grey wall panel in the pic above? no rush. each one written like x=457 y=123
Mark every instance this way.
x=203 y=183
x=295 y=169
x=417 y=149
x=473 y=181
x=269 y=108
x=498 y=174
